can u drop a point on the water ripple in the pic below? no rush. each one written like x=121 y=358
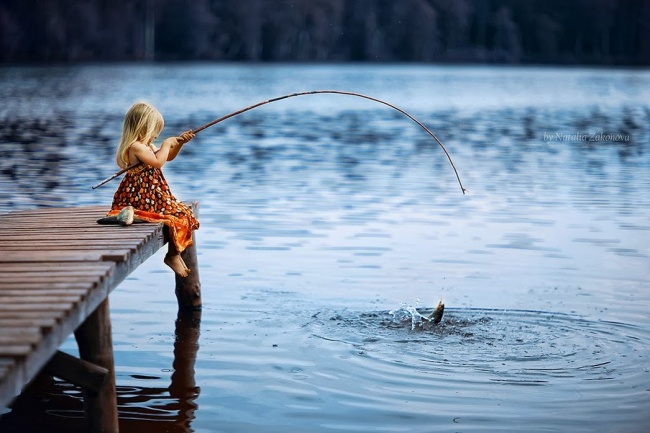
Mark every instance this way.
x=472 y=350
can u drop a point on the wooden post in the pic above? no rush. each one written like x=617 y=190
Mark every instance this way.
x=96 y=346
x=188 y=289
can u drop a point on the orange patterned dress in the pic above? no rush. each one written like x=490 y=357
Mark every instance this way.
x=146 y=189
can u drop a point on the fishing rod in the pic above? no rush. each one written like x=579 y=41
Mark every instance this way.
x=311 y=92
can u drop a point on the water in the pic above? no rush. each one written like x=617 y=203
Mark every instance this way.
x=326 y=220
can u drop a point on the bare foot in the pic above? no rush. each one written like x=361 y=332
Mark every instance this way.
x=184 y=265
x=176 y=263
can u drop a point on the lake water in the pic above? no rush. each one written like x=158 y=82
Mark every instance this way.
x=326 y=220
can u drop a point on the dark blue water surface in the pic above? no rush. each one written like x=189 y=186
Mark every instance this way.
x=327 y=220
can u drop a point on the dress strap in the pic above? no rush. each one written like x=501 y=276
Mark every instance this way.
x=126 y=152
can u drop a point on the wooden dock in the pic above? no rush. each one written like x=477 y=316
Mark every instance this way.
x=57 y=268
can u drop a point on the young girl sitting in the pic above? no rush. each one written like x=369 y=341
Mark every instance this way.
x=145 y=188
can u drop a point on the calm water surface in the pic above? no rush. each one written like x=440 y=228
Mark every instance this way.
x=326 y=221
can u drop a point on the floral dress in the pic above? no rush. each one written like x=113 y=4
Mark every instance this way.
x=146 y=189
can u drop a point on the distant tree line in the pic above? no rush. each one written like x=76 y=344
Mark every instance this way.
x=608 y=32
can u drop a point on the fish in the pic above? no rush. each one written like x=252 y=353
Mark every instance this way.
x=436 y=315
x=125 y=217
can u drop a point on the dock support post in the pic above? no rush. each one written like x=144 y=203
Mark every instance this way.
x=188 y=289
x=96 y=346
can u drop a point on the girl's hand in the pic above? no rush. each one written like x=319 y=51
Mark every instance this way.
x=177 y=143
x=185 y=137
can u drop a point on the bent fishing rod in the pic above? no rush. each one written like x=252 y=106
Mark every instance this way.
x=291 y=95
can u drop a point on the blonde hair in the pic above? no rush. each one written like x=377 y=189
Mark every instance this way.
x=142 y=123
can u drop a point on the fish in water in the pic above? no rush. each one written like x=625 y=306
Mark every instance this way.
x=436 y=315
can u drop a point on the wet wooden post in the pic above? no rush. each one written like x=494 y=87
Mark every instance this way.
x=188 y=289
x=96 y=346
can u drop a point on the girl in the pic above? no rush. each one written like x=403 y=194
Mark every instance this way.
x=145 y=188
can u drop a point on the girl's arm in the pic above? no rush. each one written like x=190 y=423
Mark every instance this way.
x=146 y=155
x=180 y=141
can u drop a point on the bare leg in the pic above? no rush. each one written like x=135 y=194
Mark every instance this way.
x=173 y=251
x=173 y=260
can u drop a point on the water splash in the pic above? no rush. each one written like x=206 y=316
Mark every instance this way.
x=422 y=319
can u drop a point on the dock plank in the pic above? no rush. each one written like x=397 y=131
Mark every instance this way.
x=41 y=322
x=21 y=256
x=47 y=285
x=91 y=268
x=33 y=293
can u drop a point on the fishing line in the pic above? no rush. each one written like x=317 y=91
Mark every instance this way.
x=311 y=92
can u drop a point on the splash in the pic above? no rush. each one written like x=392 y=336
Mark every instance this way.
x=420 y=320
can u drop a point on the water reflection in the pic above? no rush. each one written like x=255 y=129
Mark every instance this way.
x=148 y=409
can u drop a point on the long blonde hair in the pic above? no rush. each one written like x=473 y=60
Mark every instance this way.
x=142 y=123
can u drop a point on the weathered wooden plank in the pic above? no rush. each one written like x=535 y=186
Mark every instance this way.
x=54 y=278
x=16 y=350
x=81 y=218
x=41 y=322
x=28 y=224
x=31 y=266
x=90 y=229
x=43 y=278
x=72 y=276
x=53 y=218
x=84 y=227
x=88 y=226
x=14 y=339
x=66 y=248
x=53 y=236
x=60 y=307
x=81 y=244
x=91 y=268
x=64 y=256
x=31 y=315
x=21 y=276
x=61 y=237
x=38 y=299
x=9 y=238
x=48 y=285
x=67 y=243
x=18 y=331
x=30 y=293
x=87 y=219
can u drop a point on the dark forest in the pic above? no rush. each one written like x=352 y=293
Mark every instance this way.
x=596 y=32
